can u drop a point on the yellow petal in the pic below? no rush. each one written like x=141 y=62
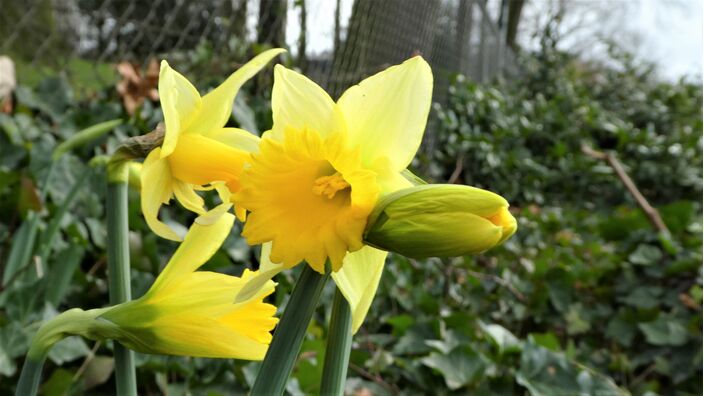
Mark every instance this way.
x=389 y=180
x=217 y=104
x=156 y=190
x=237 y=138
x=259 y=279
x=180 y=103
x=199 y=245
x=210 y=293
x=387 y=112
x=299 y=103
x=213 y=215
x=187 y=197
x=358 y=280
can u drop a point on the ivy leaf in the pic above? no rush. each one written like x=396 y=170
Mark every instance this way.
x=664 y=331
x=544 y=372
x=68 y=349
x=503 y=338
x=459 y=367
x=645 y=255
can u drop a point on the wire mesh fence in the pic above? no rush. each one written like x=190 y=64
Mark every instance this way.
x=335 y=42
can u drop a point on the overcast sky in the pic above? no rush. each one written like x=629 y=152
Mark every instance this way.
x=667 y=32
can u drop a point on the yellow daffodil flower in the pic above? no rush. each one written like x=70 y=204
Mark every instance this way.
x=185 y=312
x=188 y=312
x=197 y=149
x=320 y=171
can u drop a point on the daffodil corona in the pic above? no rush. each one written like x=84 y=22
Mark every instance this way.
x=197 y=150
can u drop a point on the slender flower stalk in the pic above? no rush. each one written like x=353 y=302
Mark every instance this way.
x=71 y=322
x=119 y=266
x=337 y=351
x=30 y=376
x=288 y=337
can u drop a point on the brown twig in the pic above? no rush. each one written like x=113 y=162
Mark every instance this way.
x=459 y=165
x=87 y=360
x=140 y=146
x=16 y=275
x=650 y=212
x=376 y=378
x=520 y=296
x=643 y=375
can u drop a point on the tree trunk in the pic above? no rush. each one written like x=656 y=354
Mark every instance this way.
x=272 y=23
x=302 y=60
x=514 y=17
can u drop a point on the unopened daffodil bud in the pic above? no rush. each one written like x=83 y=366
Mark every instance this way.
x=440 y=220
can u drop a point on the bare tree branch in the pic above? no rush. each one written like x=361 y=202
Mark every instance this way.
x=652 y=213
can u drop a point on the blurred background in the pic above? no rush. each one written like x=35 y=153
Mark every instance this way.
x=585 y=115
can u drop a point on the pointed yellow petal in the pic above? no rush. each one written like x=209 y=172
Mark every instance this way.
x=217 y=104
x=210 y=293
x=389 y=180
x=237 y=138
x=156 y=190
x=199 y=245
x=386 y=113
x=259 y=279
x=187 y=197
x=358 y=280
x=299 y=103
x=213 y=215
x=180 y=103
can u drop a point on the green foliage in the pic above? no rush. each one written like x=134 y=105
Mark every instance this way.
x=585 y=274
x=584 y=299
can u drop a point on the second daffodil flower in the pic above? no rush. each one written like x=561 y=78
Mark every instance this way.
x=185 y=312
x=197 y=149
x=321 y=169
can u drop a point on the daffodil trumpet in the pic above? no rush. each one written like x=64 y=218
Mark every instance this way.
x=197 y=150
x=185 y=312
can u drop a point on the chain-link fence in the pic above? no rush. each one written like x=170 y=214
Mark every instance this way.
x=335 y=42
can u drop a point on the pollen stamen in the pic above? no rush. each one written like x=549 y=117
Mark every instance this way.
x=328 y=186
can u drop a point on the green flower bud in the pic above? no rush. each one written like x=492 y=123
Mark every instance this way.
x=439 y=220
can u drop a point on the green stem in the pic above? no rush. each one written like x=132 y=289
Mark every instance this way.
x=119 y=268
x=288 y=337
x=337 y=351
x=31 y=374
x=72 y=322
